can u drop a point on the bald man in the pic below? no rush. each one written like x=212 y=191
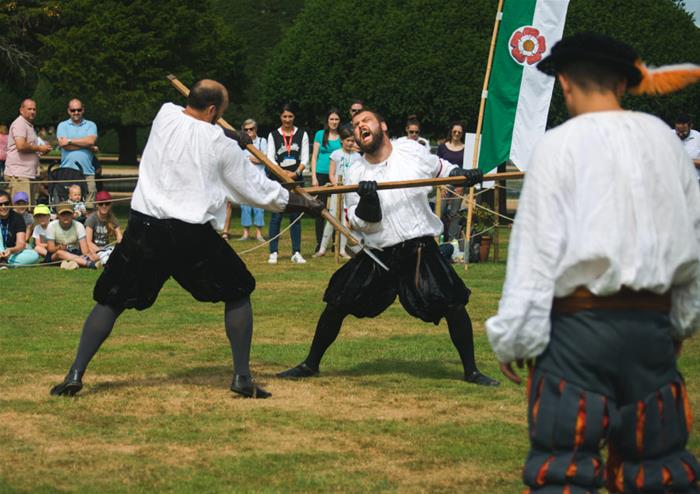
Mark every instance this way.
x=23 y=150
x=77 y=138
x=189 y=170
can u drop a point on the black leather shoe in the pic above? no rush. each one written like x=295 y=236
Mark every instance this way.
x=245 y=386
x=300 y=371
x=72 y=383
x=480 y=379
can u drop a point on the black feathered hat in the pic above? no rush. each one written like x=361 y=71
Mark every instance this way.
x=597 y=48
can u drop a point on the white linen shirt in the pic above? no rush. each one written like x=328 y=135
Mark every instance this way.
x=189 y=169
x=406 y=213
x=692 y=146
x=610 y=200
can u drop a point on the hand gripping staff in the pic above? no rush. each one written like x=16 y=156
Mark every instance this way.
x=278 y=172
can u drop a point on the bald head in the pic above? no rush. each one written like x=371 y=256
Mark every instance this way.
x=206 y=93
x=28 y=109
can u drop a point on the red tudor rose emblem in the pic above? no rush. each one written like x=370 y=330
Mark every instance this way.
x=527 y=45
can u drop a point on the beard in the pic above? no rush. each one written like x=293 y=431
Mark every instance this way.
x=373 y=145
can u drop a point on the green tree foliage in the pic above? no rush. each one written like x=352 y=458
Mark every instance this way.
x=428 y=58
x=260 y=25
x=662 y=33
x=21 y=24
x=404 y=57
x=114 y=56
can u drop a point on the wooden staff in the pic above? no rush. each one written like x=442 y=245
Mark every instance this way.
x=480 y=121
x=406 y=184
x=338 y=216
x=279 y=173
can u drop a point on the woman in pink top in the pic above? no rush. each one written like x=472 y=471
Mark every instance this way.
x=3 y=149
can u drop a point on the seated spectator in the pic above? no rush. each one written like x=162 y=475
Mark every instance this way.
x=66 y=240
x=100 y=226
x=13 y=236
x=42 y=216
x=20 y=203
x=76 y=200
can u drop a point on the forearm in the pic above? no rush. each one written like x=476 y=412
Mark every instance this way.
x=27 y=147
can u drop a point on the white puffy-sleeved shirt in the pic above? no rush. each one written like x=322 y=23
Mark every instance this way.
x=610 y=199
x=190 y=169
x=406 y=213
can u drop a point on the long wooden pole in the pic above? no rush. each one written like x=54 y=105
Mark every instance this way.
x=273 y=167
x=480 y=121
x=405 y=184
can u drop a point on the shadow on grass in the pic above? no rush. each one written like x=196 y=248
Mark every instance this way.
x=213 y=376
x=432 y=369
x=220 y=376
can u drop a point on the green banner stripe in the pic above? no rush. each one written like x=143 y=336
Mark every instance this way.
x=504 y=87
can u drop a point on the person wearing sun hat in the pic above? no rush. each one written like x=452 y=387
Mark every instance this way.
x=603 y=282
x=13 y=236
x=100 y=226
x=42 y=215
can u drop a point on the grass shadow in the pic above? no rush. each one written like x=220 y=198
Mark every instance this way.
x=432 y=369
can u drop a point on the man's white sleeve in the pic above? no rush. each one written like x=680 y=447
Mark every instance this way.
x=521 y=328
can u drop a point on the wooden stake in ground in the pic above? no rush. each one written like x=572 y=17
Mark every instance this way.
x=438 y=205
x=479 y=124
x=339 y=217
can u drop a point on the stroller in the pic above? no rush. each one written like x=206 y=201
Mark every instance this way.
x=58 y=191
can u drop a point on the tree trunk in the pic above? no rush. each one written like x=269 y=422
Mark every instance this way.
x=127 y=144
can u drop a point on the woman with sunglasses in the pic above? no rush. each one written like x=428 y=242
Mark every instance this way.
x=14 y=250
x=101 y=226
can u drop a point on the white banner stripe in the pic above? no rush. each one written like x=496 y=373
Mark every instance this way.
x=536 y=87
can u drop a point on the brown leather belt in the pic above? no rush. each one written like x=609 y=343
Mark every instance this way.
x=625 y=299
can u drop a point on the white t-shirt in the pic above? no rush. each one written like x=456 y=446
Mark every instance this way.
x=39 y=231
x=610 y=200
x=343 y=161
x=70 y=237
x=190 y=169
x=692 y=146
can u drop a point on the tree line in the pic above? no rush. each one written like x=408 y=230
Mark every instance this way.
x=402 y=57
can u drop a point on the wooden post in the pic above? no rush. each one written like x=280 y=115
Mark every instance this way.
x=480 y=121
x=339 y=217
x=496 y=233
x=438 y=205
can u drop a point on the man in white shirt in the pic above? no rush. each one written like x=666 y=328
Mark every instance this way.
x=683 y=127
x=400 y=225
x=189 y=170
x=603 y=285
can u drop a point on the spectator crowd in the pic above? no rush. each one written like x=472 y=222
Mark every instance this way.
x=67 y=220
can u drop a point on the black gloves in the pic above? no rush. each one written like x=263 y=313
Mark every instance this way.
x=369 y=208
x=300 y=204
x=240 y=137
x=472 y=176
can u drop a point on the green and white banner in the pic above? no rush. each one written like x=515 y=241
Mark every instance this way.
x=518 y=94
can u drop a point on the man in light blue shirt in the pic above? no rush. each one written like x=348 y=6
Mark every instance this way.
x=77 y=138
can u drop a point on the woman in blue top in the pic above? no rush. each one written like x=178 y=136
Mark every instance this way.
x=325 y=142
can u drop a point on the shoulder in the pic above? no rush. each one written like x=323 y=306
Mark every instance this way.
x=336 y=154
x=62 y=125
x=78 y=227
x=17 y=220
x=89 y=124
x=91 y=220
x=319 y=135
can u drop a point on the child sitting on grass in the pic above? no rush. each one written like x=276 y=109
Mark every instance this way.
x=20 y=203
x=42 y=215
x=66 y=240
x=100 y=226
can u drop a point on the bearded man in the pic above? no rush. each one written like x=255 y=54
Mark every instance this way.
x=399 y=226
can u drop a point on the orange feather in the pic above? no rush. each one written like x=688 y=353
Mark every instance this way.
x=665 y=79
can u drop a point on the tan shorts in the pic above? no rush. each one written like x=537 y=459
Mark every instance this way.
x=92 y=190
x=22 y=184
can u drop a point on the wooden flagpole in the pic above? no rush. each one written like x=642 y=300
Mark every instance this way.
x=479 y=124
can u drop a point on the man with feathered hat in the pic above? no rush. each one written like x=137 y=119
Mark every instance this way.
x=603 y=282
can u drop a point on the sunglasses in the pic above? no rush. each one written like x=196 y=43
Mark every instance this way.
x=249 y=129
x=4 y=203
x=105 y=204
x=75 y=110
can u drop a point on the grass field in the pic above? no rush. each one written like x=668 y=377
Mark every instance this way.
x=387 y=414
